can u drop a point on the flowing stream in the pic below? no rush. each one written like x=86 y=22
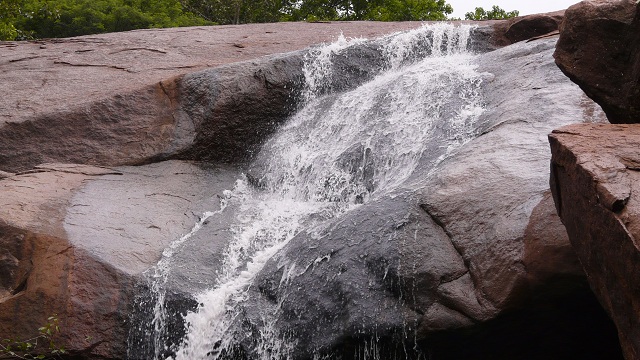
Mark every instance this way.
x=336 y=153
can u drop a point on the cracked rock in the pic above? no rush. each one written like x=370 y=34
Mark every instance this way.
x=596 y=195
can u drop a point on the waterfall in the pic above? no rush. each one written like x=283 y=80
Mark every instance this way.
x=154 y=334
x=340 y=150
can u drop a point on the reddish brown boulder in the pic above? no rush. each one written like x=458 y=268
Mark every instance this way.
x=44 y=275
x=595 y=180
x=527 y=27
x=119 y=99
x=75 y=239
x=124 y=99
x=599 y=49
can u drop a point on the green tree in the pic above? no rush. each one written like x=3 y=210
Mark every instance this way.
x=380 y=10
x=244 y=11
x=407 y=10
x=25 y=19
x=235 y=11
x=64 y=18
x=496 y=13
x=9 y=11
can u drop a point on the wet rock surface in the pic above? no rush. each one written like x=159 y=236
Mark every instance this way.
x=75 y=240
x=87 y=68
x=463 y=245
x=191 y=117
x=599 y=50
x=129 y=91
x=594 y=179
x=157 y=203
x=49 y=276
x=124 y=91
x=473 y=240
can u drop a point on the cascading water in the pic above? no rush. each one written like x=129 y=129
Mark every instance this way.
x=336 y=153
x=154 y=297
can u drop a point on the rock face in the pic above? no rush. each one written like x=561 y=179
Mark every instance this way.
x=125 y=91
x=46 y=275
x=129 y=91
x=527 y=27
x=594 y=177
x=599 y=49
x=595 y=183
x=450 y=249
x=90 y=68
x=75 y=239
x=169 y=119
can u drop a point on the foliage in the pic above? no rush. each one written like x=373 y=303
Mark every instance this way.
x=9 y=10
x=235 y=11
x=28 y=19
x=64 y=18
x=496 y=13
x=239 y=11
x=406 y=10
x=380 y=10
x=34 y=347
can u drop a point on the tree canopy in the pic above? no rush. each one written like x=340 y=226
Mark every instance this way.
x=241 y=11
x=31 y=19
x=63 y=18
x=9 y=11
x=496 y=13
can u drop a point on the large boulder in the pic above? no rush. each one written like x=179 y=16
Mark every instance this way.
x=129 y=91
x=599 y=49
x=461 y=244
x=527 y=27
x=76 y=239
x=595 y=183
x=169 y=119
x=593 y=166
x=119 y=99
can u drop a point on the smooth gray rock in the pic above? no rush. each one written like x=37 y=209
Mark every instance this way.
x=76 y=240
x=447 y=250
x=485 y=193
x=127 y=220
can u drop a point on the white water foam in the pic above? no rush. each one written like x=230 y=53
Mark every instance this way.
x=158 y=275
x=334 y=154
x=318 y=65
